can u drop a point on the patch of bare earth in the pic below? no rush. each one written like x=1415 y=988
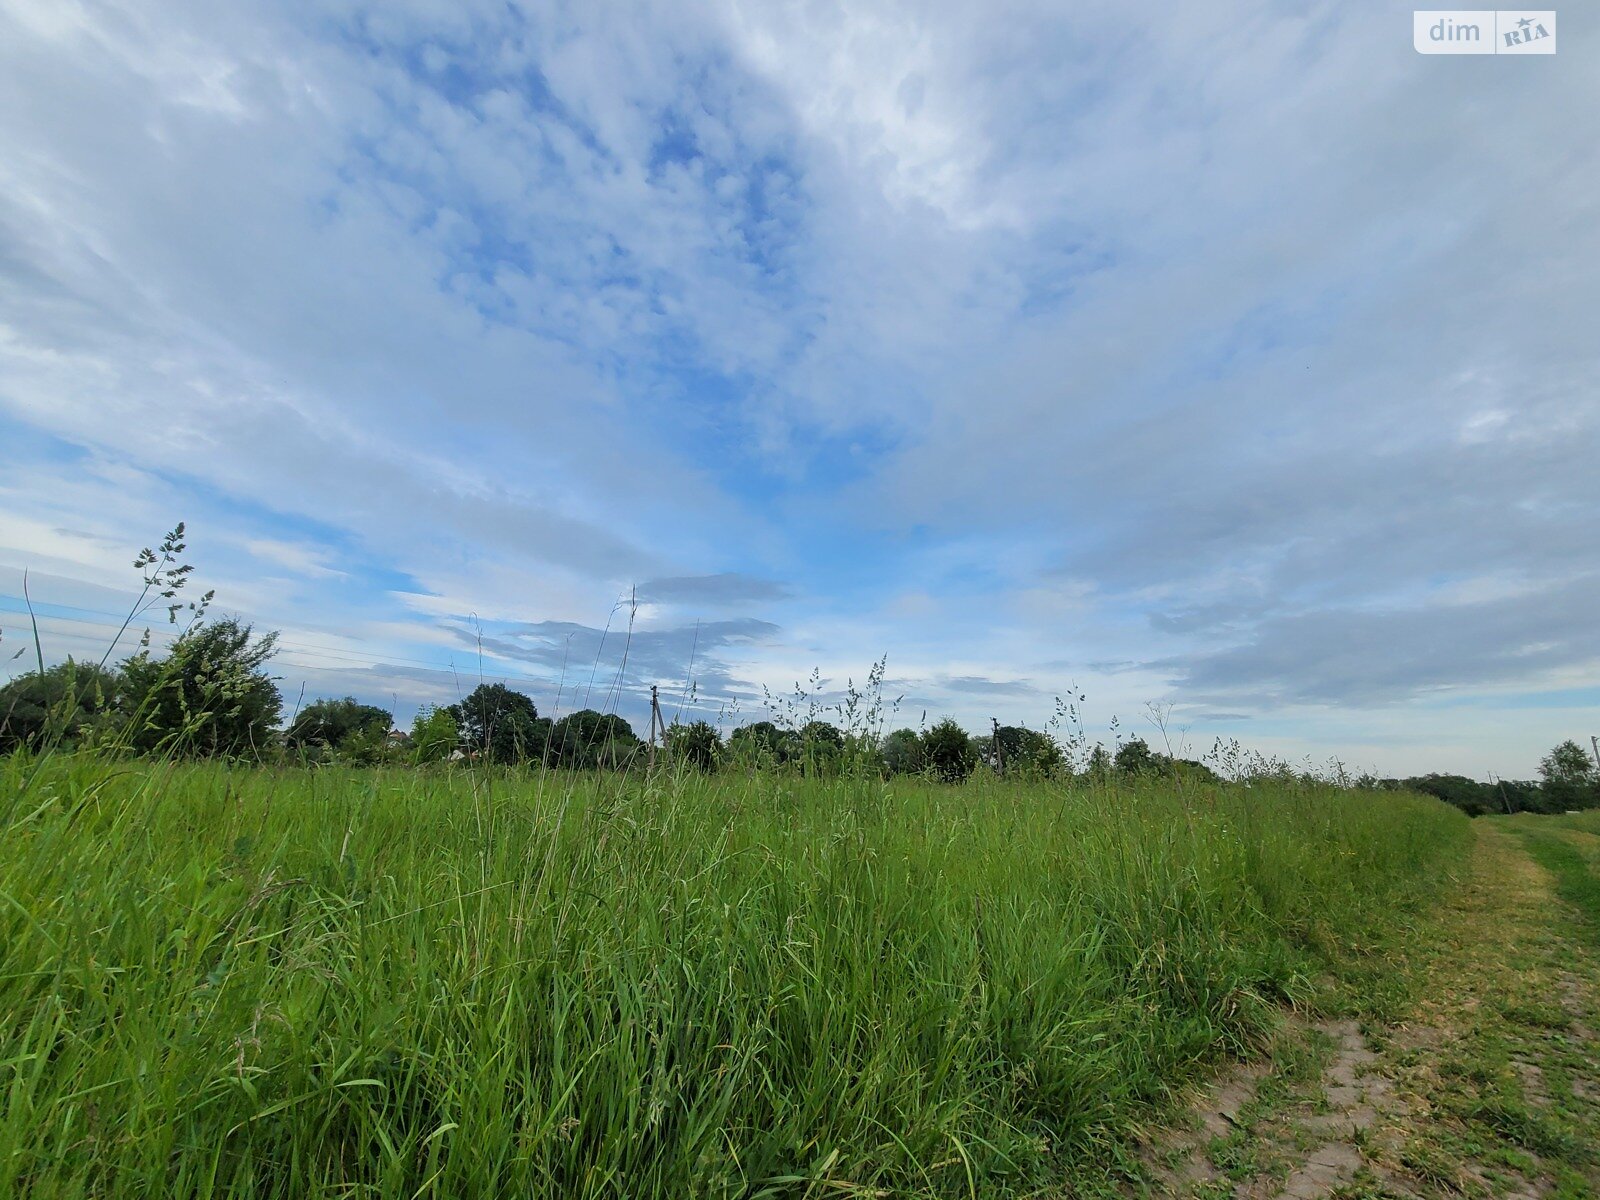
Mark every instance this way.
x=1489 y=1088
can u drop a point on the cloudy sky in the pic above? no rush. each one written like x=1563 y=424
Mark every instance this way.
x=1233 y=357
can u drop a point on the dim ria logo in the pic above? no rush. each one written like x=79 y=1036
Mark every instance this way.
x=1484 y=31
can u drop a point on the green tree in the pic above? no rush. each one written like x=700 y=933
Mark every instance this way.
x=1023 y=750
x=763 y=744
x=68 y=704
x=821 y=747
x=950 y=751
x=1570 y=778
x=501 y=724
x=1470 y=796
x=331 y=723
x=434 y=735
x=696 y=745
x=1191 y=769
x=209 y=696
x=586 y=739
x=902 y=753
x=1134 y=757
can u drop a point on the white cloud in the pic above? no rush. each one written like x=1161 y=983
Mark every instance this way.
x=1002 y=337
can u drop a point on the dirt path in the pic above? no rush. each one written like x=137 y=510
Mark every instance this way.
x=1490 y=1087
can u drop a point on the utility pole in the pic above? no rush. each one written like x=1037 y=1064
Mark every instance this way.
x=656 y=723
x=1504 y=799
x=999 y=750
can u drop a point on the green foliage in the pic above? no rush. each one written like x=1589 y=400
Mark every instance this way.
x=821 y=737
x=763 y=744
x=332 y=723
x=587 y=739
x=1571 y=778
x=500 y=724
x=1134 y=757
x=434 y=736
x=902 y=753
x=949 y=751
x=367 y=746
x=696 y=745
x=822 y=748
x=68 y=704
x=1472 y=797
x=209 y=696
x=283 y=983
x=1022 y=750
x=1191 y=770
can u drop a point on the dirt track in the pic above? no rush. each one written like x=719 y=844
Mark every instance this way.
x=1488 y=1086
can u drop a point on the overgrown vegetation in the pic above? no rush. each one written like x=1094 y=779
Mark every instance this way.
x=233 y=980
x=511 y=954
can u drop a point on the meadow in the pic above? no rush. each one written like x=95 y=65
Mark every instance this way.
x=292 y=982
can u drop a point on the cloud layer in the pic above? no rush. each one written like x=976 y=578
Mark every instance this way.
x=1242 y=348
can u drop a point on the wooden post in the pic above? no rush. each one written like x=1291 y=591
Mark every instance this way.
x=999 y=750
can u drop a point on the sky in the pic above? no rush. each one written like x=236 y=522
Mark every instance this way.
x=1231 y=359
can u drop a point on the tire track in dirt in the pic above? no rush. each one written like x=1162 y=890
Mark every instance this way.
x=1489 y=1088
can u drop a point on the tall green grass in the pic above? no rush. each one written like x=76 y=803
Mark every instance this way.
x=292 y=983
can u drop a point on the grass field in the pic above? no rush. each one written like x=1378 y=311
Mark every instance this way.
x=232 y=981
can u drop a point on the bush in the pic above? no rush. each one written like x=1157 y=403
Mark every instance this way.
x=68 y=703
x=587 y=739
x=1024 y=750
x=696 y=745
x=1134 y=757
x=902 y=753
x=950 y=751
x=434 y=736
x=763 y=744
x=209 y=696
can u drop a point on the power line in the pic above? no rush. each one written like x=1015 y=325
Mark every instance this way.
x=326 y=653
x=344 y=660
x=117 y=618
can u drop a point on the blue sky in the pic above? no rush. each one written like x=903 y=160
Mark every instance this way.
x=1238 y=359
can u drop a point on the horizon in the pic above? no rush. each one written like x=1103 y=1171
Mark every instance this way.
x=1237 y=361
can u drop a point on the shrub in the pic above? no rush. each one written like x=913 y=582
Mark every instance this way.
x=763 y=744
x=696 y=745
x=68 y=703
x=1024 y=750
x=950 y=751
x=587 y=738
x=434 y=735
x=902 y=753
x=209 y=696
x=1134 y=757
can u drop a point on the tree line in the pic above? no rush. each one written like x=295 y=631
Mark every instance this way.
x=212 y=696
x=1568 y=779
